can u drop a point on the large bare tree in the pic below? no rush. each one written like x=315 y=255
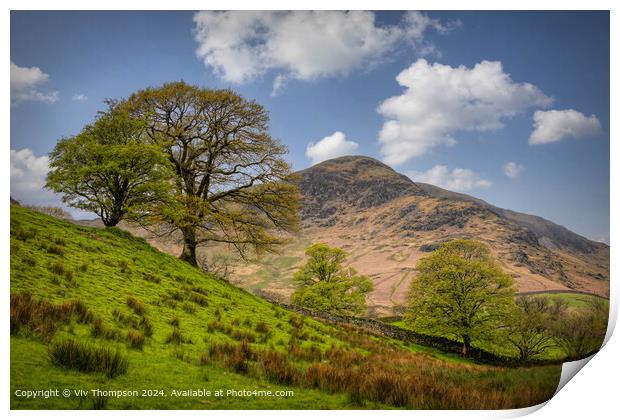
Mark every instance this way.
x=232 y=182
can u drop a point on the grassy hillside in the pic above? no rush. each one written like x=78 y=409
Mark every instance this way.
x=100 y=309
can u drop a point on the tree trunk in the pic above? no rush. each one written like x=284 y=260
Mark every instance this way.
x=189 y=246
x=466 y=346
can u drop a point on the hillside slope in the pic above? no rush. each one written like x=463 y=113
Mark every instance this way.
x=179 y=329
x=387 y=222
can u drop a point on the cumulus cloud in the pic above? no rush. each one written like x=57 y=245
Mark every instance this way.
x=79 y=97
x=28 y=174
x=25 y=82
x=555 y=125
x=459 y=179
x=303 y=45
x=440 y=100
x=330 y=147
x=513 y=170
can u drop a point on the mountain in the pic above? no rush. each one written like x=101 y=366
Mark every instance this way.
x=387 y=222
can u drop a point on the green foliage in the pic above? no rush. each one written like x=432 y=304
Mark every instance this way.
x=328 y=286
x=530 y=329
x=580 y=333
x=109 y=170
x=460 y=292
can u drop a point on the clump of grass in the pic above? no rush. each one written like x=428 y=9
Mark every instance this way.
x=72 y=354
x=189 y=307
x=135 y=339
x=29 y=261
x=177 y=295
x=43 y=318
x=175 y=337
x=100 y=402
x=241 y=335
x=55 y=249
x=175 y=322
x=296 y=321
x=138 y=307
x=83 y=267
x=204 y=359
x=99 y=329
x=277 y=369
x=213 y=326
x=150 y=277
x=198 y=299
x=57 y=268
x=147 y=326
x=22 y=234
x=262 y=328
x=124 y=265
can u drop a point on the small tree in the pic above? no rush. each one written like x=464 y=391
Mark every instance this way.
x=460 y=292
x=530 y=328
x=328 y=286
x=581 y=332
x=108 y=170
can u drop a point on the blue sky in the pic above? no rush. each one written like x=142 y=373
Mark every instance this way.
x=511 y=107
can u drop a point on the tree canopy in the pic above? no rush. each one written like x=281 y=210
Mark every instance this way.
x=231 y=181
x=328 y=286
x=460 y=292
x=109 y=170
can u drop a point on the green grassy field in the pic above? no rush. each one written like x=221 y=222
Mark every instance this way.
x=178 y=329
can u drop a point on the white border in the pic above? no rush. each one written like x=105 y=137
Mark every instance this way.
x=592 y=395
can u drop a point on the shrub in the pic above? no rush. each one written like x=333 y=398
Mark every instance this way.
x=189 y=307
x=84 y=357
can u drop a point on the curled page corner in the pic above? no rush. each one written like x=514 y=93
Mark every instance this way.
x=569 y=370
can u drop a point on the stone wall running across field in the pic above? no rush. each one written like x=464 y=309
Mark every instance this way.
x=407 y=336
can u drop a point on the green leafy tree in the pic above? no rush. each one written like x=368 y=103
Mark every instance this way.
x=107 y=169
x=328 y=286
x=460 y=292
x=232 y=183
x=530 y=329
x=580 y=333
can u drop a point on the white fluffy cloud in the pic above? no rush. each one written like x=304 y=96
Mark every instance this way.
x=25 y=82
x=459 y=179
x=513 y=170
x=440 y=100
x=555 y=125
x=28 y=174
x=79 y=97
x=330 y=147
x=304 y=45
